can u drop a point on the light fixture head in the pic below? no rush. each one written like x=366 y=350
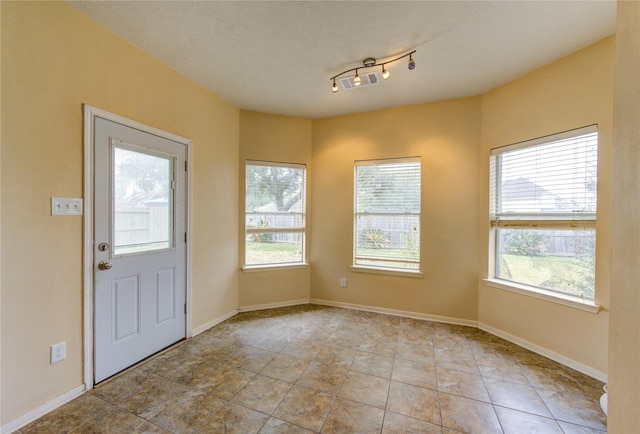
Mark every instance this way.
x=385 y=73
x=369 y=62
x=412 y=63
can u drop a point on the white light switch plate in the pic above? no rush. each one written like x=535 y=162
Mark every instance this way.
x=66 y=206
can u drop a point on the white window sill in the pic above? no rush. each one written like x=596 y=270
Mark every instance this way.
x=274 y=267
x=565 y=300
x=387 y=271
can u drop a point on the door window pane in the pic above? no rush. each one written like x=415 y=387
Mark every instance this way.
x=142 y=202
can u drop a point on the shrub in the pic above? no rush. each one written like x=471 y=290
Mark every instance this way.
x=373 y=239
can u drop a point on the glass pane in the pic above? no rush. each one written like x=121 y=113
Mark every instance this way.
x=557 y=177
x=273 y=248
x=388 y=187
x=387 y=240
x=275 y=199
x=274 y=220
x=274 y=189
x=559 y=260
x=143 y=202
x=387 y=207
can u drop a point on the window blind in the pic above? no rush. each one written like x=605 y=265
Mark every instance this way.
x=387 y=213
x=551 y=179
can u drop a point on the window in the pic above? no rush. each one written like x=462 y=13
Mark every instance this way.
x=274 y=213
x=387 y=214
x=143 y=200
x=543 y=212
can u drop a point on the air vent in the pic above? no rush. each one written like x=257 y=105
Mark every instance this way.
x=368 y=79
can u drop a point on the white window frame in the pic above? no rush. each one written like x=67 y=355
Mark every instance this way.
x=278 y=230
x=549 y=221
x=389 y=270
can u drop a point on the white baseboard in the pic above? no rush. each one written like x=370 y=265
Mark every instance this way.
x=273 y=305
x=38 y=412
x=591 y=372
x=206 y=326
x=404 y=313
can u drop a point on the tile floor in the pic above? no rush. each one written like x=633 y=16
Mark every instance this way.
x=311 y=368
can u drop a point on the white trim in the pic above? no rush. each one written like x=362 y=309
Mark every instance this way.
x=551 y=138
x=273 y=305
x=266 y=163
x=38 y=412
x=189 y=229
x=90 y=113
x=274 y=267
x=416 y=159
x=214 y=322
x=602 y=376
x=403 y=313
x=87 y=257
x=377 y=270
x=276 y=230
x=96 y=112
x=539 y=293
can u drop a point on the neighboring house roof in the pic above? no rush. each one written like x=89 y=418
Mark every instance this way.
x=517 y=191
x=523 y=189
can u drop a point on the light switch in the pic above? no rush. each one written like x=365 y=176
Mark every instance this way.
x=66 y=206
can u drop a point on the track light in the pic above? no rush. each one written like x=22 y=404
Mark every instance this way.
x=412 y=64
x=370 y=62
x=385 y=73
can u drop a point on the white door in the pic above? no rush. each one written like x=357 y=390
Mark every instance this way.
x=139 y=245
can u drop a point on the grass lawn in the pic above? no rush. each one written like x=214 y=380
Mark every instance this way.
x=573 y=275
x=272 y=253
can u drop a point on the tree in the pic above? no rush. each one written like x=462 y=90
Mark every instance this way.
x=523 y=242
x=141 y=175
x=273 y=184
x=384 y=188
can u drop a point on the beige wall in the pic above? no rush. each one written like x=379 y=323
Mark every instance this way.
x=446 y=136
x=281 y=139
x=573 y=92
x=54 y=59
x=624 y=353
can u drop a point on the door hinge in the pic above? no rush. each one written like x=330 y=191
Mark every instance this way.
x=186 y=165
x=185 y=308
x=185 y=238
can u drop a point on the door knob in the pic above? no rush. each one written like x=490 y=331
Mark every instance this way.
x=102 y=265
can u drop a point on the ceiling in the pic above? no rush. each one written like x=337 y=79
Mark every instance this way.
x=278 y=56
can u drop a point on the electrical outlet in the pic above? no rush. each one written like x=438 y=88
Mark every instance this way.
x=58 y=352
x=343 y=282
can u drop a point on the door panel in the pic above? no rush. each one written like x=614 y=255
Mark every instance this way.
x=140 y=261
x=126 y=307
x=165 y=295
